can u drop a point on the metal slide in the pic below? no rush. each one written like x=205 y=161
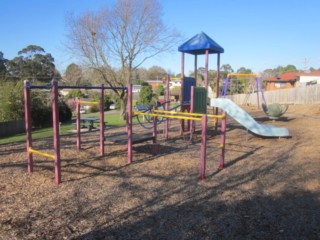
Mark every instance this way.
x=246 y=120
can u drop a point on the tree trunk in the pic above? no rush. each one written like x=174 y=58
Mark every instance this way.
x=123 y=106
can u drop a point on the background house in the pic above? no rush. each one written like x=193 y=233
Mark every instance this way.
x=281 y=81
x=309 y=78
x=292 y=79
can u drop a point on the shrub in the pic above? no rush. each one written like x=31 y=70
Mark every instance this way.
x=74 y=94
x=94 y=108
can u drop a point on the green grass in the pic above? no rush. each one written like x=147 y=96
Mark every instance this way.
x=111 y=119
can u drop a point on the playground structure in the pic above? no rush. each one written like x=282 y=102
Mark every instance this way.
x=155 y=114
x=254 y=86
x=200 y=44
x=246 y=120
x=273 y=111
x=55 y=120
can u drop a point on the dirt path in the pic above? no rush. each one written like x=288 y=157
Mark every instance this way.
x=269 y=189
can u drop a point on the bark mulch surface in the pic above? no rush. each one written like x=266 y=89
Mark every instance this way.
x=269 y=188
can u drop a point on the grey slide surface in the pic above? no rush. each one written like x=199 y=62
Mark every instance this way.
x=242 y=117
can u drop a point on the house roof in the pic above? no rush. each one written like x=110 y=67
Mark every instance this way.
x=285 y=77
x=198 y=45
x=313 y=73
x=291 y=76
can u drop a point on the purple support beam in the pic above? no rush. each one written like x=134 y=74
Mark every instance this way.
x=129 y=123
x=203 y=148
x=102 y=120
x=27 y=114
x=167 y=105
x=257 y=86
x=223 y=140
x=56 y=135
x=78 y=124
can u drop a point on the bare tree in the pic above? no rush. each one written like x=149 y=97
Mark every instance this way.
x=117 y=40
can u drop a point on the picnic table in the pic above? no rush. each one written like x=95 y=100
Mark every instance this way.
x=88 y=122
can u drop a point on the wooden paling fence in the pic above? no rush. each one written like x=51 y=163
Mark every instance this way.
x=299 y=95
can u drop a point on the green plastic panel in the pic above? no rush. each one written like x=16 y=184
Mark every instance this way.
x=200 y=100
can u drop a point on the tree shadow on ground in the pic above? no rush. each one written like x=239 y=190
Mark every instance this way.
x=261 y=217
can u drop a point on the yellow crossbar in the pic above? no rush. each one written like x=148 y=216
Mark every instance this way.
x=41 y=153
x=178 y=116
x=189 y=114
x=167 y=116
x=242 y=75
x=86 y=102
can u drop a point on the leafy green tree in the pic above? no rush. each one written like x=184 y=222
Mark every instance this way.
x=156 y=73
x=160 y=90
x=3 y=67
x=289 y=68
x=244 y=70
x=74 y=93
x=73 y=74
x=225 y=70
x=146 y=95
x=11 y=101
x=34 y=64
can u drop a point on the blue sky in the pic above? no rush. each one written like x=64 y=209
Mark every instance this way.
x=256 y=34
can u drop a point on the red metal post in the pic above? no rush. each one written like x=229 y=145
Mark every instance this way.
x=56 y=135
x=203 y=154
x=195 y=68
x=27 y=114
x=181 y=93
x=154 y=134
x=215 y=111
x=191 y=111
x=129 y=123
x=218 y=75
x=102 y=120
x=206 y=77
x=166 y=123
x=223 y=140
x=78 y=124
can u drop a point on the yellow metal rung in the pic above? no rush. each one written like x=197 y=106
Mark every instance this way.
x=31 y=150
x=86 y=102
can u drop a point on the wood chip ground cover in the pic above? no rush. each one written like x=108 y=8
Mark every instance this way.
x=269 y=188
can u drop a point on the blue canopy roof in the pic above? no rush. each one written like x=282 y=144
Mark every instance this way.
x=199 y=44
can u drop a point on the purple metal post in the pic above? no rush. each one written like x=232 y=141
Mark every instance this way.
x=101 y=120
x=257 y=86
x=129 y=123
x=78 y=124
x=225 y=87
x=166 y=123
x=223 y=140
x=203 y=148
x=260 y=88
x=28 y=125
x=56 y=135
